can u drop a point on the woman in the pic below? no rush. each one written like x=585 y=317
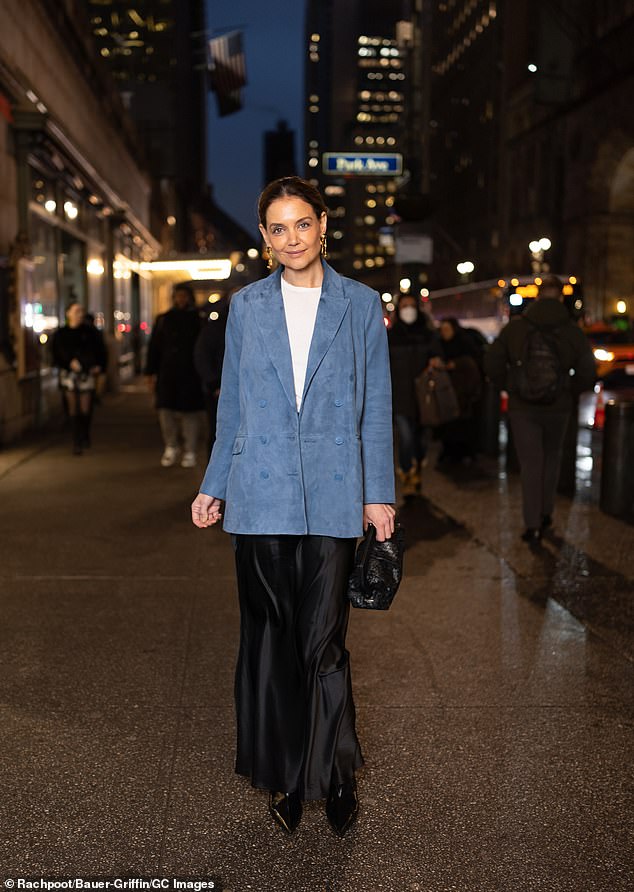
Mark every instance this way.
x=80 y=355
x=412 y=342
x=303 y=459
x=459 y=352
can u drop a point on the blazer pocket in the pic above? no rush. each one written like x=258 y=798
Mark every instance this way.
x=238 y=445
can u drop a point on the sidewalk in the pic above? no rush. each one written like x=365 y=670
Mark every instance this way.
x=496 y=727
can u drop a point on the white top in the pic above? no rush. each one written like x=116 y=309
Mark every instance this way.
x=300 y=309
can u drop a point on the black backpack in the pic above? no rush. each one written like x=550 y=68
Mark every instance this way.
x=540 y=376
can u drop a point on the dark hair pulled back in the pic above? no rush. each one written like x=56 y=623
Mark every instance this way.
x=290 y=187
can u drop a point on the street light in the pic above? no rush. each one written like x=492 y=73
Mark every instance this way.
x=405 y=285
x=465 y=267
x=538 y=247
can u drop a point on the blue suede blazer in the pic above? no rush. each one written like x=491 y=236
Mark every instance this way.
x=308 y=472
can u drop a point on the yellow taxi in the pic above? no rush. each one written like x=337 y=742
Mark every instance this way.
x=614 y=354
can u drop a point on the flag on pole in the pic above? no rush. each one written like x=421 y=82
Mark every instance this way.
x=227 y=71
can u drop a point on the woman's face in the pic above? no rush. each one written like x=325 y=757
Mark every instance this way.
x=75 y=315
x=446 y=331
x=293 y=232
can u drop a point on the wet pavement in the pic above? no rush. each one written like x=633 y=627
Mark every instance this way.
x=494 y=701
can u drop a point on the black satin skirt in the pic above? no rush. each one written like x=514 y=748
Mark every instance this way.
x=295 y=713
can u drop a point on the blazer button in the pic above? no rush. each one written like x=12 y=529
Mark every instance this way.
x=338 y=476
x=262 y=404
x=264 y=475
x=263 y=440
x=338 y=440
x=338 y=402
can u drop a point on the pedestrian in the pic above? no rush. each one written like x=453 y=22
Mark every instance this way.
x=544 y=361
x=303 y=461
x=100 y=384
x=412 y=343
x=209 y=352
x=459 y=356
x=172 y=376
x=80 y=355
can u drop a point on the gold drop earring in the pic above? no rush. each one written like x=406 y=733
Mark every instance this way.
x=324 y=245
x=269 y=262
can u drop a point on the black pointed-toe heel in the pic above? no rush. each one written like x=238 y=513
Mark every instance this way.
x=342 y=806
x=286 y=808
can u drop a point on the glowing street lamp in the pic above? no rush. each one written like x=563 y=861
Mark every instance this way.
x=465 y=267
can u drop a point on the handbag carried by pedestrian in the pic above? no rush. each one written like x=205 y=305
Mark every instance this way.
x=378 y=570
x=437 y=400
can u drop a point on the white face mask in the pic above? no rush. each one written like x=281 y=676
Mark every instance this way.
x=408 y=315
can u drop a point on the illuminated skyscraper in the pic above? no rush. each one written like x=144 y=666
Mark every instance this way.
x=355 y=106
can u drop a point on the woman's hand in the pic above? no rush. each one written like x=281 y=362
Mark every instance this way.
x=382 y=519
x=75 y=365
x=205 y=510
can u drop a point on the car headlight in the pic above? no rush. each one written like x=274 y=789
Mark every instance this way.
x=603 y=355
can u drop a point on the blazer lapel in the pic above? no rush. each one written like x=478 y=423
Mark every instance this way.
x=332 y=308
x=271 y=320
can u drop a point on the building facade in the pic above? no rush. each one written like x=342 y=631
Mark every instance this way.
x=74 y=204
x=568 y=165
x=531 y=138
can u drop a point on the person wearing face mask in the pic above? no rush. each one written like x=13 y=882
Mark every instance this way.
x=412 y=342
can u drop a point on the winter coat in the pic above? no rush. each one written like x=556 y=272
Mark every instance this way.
x=574 y=350
x=84 y=343
x=171 y=358
x=284 y=472
x=465 y=375
x=411 y=348
x=209 y=351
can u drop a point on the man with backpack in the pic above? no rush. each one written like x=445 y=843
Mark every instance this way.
x=543 y=359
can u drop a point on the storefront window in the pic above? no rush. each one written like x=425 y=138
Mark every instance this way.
x=39 y=293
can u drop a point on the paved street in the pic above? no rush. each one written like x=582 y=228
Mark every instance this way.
x=494 y=701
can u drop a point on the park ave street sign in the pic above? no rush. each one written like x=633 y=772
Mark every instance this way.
x=363 y=164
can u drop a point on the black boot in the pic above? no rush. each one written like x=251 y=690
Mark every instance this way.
x=286 y=808
x=85 y=420
x=342 y=806
x=76 y=426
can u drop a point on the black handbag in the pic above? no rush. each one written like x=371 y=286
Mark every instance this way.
x=378 y=569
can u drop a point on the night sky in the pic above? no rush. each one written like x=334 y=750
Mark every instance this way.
x=274 y=49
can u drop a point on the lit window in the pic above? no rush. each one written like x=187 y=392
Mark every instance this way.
x=314 y=97
x=369 y=220
x=358 y=140
x=371 y=203
x=369 y=262
x=358 y=264
x=313 y=162
x=314 y=38
x=313 y=109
